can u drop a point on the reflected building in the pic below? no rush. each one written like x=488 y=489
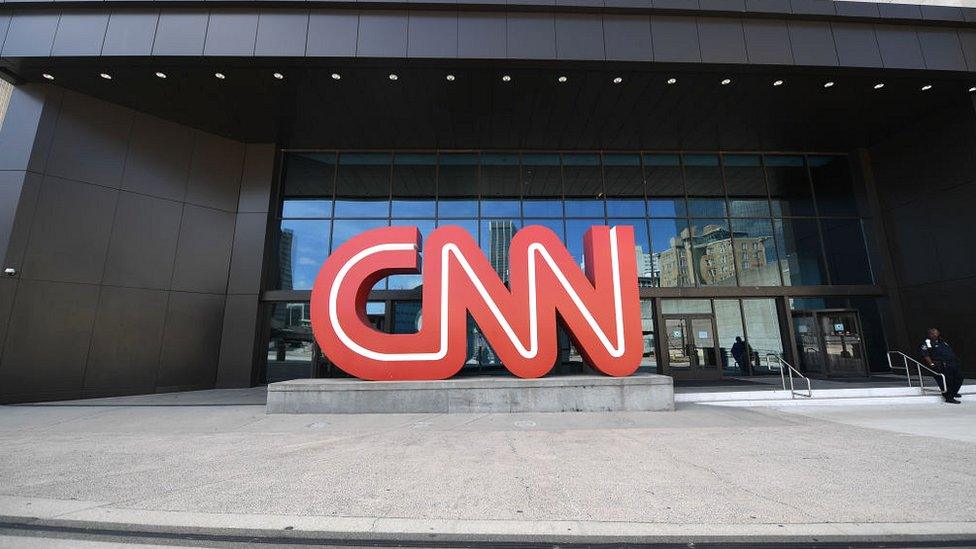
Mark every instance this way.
x=500 y=234
x=711 y=257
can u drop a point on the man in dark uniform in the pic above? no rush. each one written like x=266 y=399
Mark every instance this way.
x=938 y=355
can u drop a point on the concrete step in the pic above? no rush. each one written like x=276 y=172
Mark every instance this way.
x=821 y=397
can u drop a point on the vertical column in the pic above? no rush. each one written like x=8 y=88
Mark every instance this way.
x=239 y=344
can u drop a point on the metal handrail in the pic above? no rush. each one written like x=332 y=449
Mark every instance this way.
x=918 y=368
x=792 y=370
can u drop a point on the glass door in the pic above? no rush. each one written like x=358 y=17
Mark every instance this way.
x=830 y=343
x=692 y=353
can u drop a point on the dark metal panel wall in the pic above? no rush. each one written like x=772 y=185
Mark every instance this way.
x=926 y=185
x=244 y=32
x=127 y=233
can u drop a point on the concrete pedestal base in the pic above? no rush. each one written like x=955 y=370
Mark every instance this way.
x=578 y=393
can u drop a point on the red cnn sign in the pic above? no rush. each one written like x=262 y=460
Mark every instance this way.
x=600 y=309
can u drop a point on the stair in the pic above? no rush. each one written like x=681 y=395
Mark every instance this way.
x=879 y=396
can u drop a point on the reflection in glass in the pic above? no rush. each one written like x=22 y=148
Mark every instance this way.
x=500 y=185
x=749 y=207
x=542 y=185
x=457 y=185
x=410 y=281
x=703 y=176
x=762 y=328
x=624 y=185
x=303 y=246
x=712 y=252
x=647 y=274
x=833 y=185
x=847 y=256
x=798 y=246
x=469 y=225
x=554 y=225
x=414 y=185
x=686 y=306
x=667 y=207
x=789 y=187
x=363 y=185
x=664 y=178
x=671 y=257
x=744 y=175
x=706 y=207
x=732 y=352
x=344 y=229
x=496 y=237
x=306 y=208
x=575 y=229
x=309 y=175
x=649 y=356
x=755 y=251
x=292 y=350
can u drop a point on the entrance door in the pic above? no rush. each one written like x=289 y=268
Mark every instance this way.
x=830 y=342
x=692 y=352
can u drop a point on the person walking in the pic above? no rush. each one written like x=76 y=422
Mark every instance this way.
x=938 y=355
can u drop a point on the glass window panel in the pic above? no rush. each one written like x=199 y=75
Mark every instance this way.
x=706 y=207
x=873 y=329
x=686 y=306
x=554 y=225
x=448 y=208
x=744 y=175
x=583 y=185
x=703 y=176
x=303 y=246
x=833 y=186
x=500 y=175
x=363 y=185
x=668 y=207
x=798 y=246
x=309 y=175
x=457 y=184
x=762 y=331
x=406 y=317
x=344 y=229
x=469 y=225
x=712 y=252
x=646 y=273
x=731 y=337
x=755 y=250
x=306 y=208
x=623 y=179
x=739 y=207
x=631 y=207
x=410 y=281
x=542 y=185
x=496 y=237
x=500 y=208
x=789 y=187
x=649 y=359
x=292 y=350
x=575 y=229
x=414 y=185
x=663 y=174
x=671 y=255
x=847 y=256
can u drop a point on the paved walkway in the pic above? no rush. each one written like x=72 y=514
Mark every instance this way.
x=213 y=461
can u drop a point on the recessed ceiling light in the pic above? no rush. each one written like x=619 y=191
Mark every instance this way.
x=106 y=76
x=777 y=82
x=450 y=78
x=161 y=75
x=829 y=84
x=278 y=76
x=562 y=79
x=927 y=87
x=48 y=76
x=220 y=75
x=726 y=81
x=506 y=78
x=972 y=89
x=618 y=80
x=393 y=76
x=879 y=85
x=672 y=80
x=336 y=76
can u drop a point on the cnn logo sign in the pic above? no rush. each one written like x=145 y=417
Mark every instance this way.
x=599 y=308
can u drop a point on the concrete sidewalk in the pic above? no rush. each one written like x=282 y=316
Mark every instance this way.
x=213 y=462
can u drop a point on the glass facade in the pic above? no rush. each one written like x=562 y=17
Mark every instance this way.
x=709 y=221
x=699 y=219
